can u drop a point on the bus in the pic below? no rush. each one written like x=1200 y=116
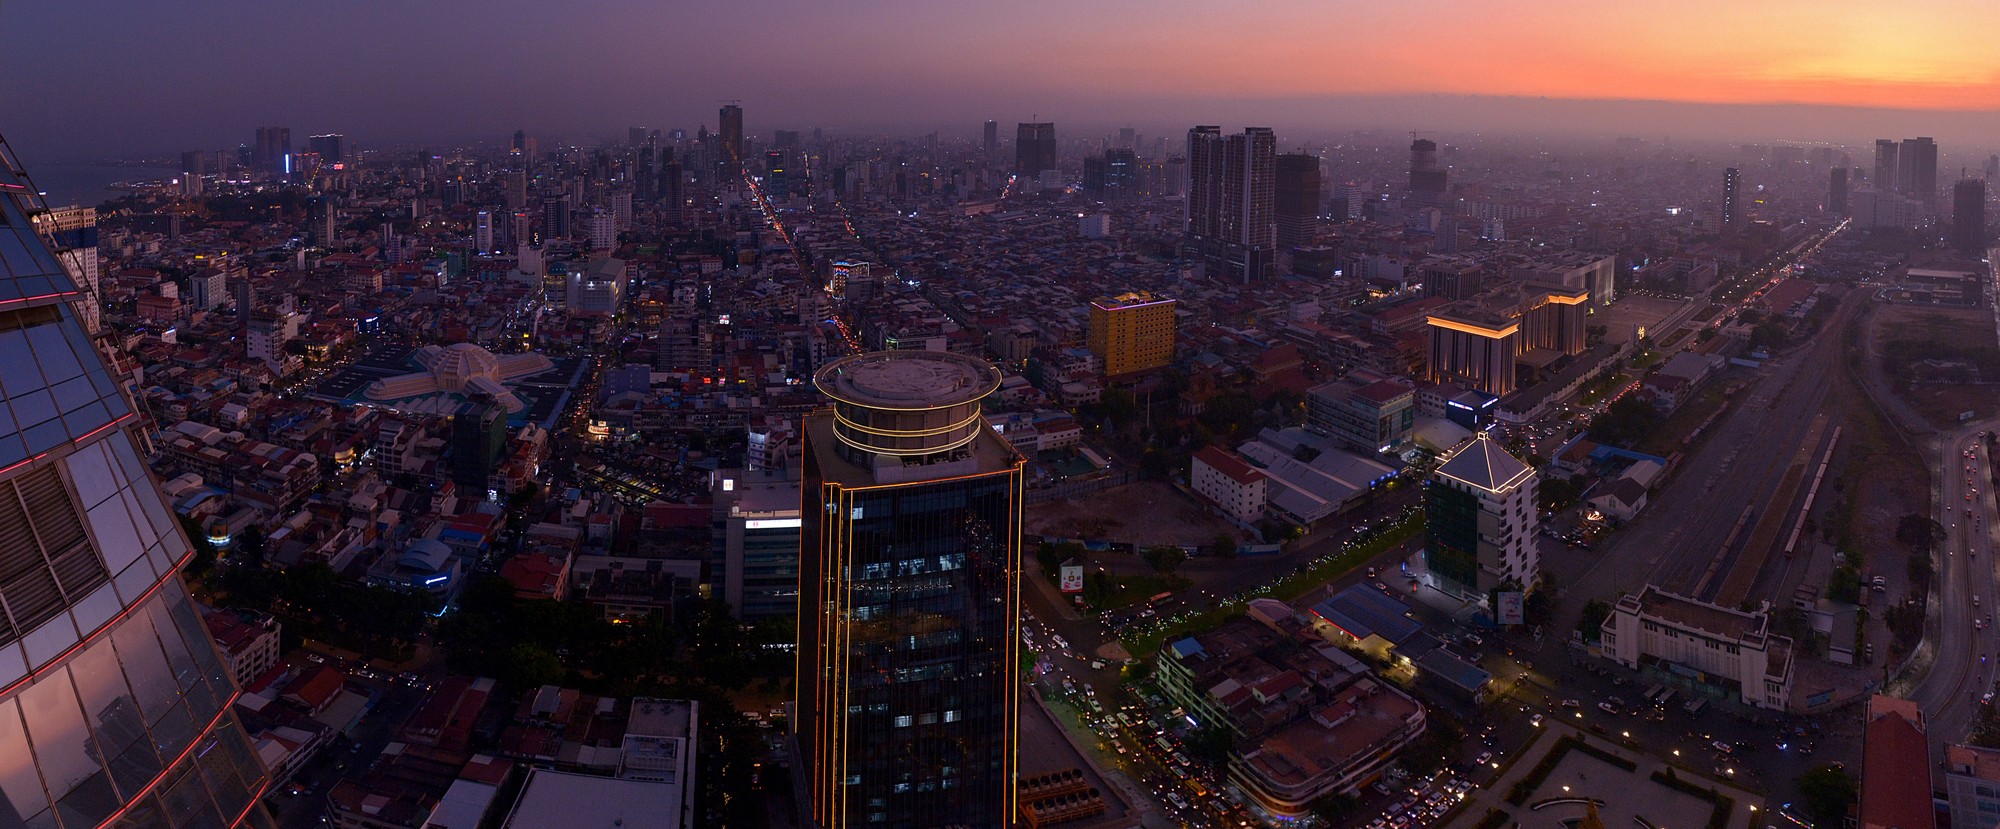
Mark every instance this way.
x=1161 y=597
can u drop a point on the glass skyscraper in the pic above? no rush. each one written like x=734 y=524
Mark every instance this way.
x=909 y=614
x=114 y=706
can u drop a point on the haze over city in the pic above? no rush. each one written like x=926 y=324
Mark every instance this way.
x=200 y=72
x=1041 y=415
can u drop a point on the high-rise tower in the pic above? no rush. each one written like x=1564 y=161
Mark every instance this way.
x=730 y=124
x=1916 y=170
x=1427 y=179
x=1968 y=215
x=1295 y=205
x=1836 y=192
x=1886 y=164
x=114 y=706
x=1732 y=183
x=909 y=598
x=1480 y=521
x=1034 y=149
x=992 y=141
x=1231 y=188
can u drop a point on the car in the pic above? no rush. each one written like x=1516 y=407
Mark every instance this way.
x=1722 y=747
x=1483 y=758
x=1607 y=708
x=1570 y=703
x=1986 y=699
x=1535 y=721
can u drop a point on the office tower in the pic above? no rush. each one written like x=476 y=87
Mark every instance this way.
x=482 y=233
x=1427 y=179
x=603 y=230
x=1473 y=350
x=1132 y=332
x=910 y=598
x=1093 y=177
x=1231 y=187
x=1480 y=520
x=672 y=202
x=1127 y=138
x=1884 y=178
x=274 y=148
x=730 y=125
x=1993 y=167
x=194 y=163
x=635 y=136
x=992 y=144
x=332 y=148
x=115 y=708
x=329 y=224
x=72 y=232
x=754 y=560
x=1968 y=215
x=478 y=440
x=246 y=302
x=1295 y=203
x=1916 y=170
x=776 y=182
x=1034 y=149
x=1836 y=192
x=1732 y=182
x=555 y=217
x=1121 y=174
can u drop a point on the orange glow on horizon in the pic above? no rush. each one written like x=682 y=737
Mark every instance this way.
x=1840 y=53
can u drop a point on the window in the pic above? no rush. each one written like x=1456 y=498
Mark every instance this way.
x=902 y=721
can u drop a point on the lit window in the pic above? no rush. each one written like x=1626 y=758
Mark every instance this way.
x=902 y=721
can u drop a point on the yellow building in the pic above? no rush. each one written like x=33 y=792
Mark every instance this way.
x=1132 y=332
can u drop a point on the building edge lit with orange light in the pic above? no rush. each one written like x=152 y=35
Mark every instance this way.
x=908 y=653
x=115 y=708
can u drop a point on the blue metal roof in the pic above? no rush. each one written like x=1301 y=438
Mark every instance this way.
x=1363 y=611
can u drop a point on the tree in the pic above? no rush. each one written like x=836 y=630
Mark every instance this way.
x=1211 y=744
x=1827 y=791
x=529 y=665
x=1225 y=544
x=1591 y=625
x=1920 y=532
x=1625 y=421
x=1556 y=493
x=1164 y=558
x=1335 y=809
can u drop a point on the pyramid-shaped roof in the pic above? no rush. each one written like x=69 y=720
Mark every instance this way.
x=1482 y=463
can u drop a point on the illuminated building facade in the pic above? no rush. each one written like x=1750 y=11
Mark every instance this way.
x=1474 y=351
x=114 y=705
x=1132 y=332
x=910 y=592
x=1480 y=521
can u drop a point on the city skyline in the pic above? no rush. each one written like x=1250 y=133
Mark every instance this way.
x=1783 y=72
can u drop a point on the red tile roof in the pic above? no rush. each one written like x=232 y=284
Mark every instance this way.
x=1895 y=768
x=1229 y=465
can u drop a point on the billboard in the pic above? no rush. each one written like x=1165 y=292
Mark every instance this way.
x=1510 y=611
x=1072 y=578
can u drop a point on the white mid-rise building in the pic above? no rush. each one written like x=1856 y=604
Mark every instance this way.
x=1707 y=644
x=1235 y=487
x=1480 y=525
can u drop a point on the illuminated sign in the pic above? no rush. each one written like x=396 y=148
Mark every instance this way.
x=1072 y=578
x=770 y=523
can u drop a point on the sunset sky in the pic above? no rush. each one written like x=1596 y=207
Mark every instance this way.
x=117 y=76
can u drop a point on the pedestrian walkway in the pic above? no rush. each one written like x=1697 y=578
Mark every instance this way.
x=1622 y=794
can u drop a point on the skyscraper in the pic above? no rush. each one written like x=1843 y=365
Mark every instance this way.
x=1732 y=182
x=1295 y=205
x=1480 y=520
x=1034 y=149
x=274 y=146
x=1886 y=164
x=482 y=232
x=1427 y=179
x=1916 y=170
x=910 y=594
x=1968 y=215
x=332 y=148
x=992 y=144
x=1231 y=188
x=730 y=125
x=1836 y=192
x=114 y=706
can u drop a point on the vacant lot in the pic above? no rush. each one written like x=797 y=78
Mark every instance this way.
x=1144 y=513
x=1944 y=361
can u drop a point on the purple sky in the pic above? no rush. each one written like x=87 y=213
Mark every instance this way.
x=96 y=78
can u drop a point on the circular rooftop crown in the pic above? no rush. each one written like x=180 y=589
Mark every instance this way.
x=908 y=379
x=907 y=403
